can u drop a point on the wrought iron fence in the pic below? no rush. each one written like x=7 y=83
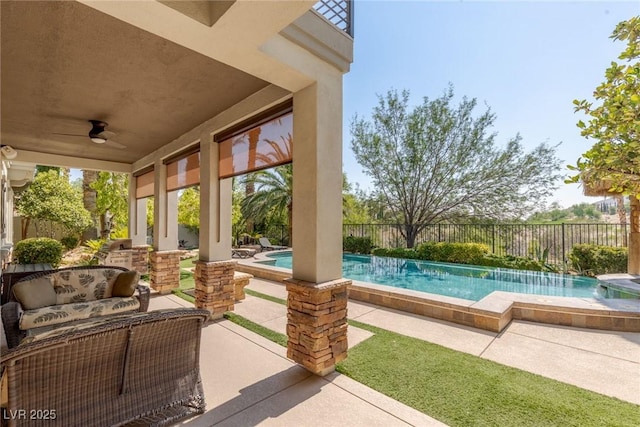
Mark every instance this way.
x=338 y=12
x=525 y=240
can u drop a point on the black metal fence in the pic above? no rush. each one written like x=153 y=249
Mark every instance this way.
x=525 y=240
x=338 y=12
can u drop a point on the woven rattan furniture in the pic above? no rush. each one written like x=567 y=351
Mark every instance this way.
x=12 y=311
x=141 y=368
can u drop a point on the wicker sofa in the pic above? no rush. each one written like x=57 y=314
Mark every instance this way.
x=140 y=368
x=48 y=300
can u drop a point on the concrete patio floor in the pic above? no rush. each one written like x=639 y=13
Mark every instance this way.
x=249 y=381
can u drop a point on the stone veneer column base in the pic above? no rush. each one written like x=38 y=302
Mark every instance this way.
x=140 y=259
x=165 y=270
x=215 y=287
x=317 y=323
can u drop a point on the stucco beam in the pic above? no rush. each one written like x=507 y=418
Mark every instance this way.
x=45 y=159
x=263 y=99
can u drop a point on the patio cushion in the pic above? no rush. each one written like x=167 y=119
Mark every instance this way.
x=36 y=334
x=84 y=285
x=125 y=284
x=62 y=313
x=35 y=293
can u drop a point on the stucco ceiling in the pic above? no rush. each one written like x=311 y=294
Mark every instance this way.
x=64 y=63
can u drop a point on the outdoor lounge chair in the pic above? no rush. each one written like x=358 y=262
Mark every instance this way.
x=266 y=245
x=242 y=253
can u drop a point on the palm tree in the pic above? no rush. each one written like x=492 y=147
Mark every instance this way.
x=622 y=216
x=273 y=191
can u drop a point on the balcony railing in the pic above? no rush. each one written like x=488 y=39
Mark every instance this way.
x=338 y=12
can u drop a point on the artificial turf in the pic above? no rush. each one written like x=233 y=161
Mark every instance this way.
x=460 y=389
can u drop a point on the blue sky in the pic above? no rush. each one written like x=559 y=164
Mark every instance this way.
x=527 y=60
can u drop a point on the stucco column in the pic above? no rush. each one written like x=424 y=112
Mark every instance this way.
x=138 y=229
x=215 y=269
x=317 y=294
x=634 y=236
x=165 y=212
x=165 y=258
x=137 y=215
x=215 y=206
x=317 y=182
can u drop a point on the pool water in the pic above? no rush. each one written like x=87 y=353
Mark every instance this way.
x=460 y=281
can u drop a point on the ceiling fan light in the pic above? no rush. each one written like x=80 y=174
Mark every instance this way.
x=8 y=152
x=98 y=139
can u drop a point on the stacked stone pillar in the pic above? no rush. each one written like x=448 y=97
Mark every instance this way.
x=215 y=286
x=165 y=270
x=317 y=323
x=140 y=259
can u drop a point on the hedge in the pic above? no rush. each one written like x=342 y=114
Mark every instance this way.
x=592 y=260
x=40 y=250
x=359 y=245
x=463 y=253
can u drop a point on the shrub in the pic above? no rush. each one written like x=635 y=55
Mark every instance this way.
x=70 y=242
x=517 y=263
x=41 y=250
x=592 y=260
x=95 y=244
x=465 y=253
x=360 y=245
x=396 y=253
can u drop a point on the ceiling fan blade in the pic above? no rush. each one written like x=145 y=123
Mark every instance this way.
x=114 y=144
x=107 y=134
x=68 y=134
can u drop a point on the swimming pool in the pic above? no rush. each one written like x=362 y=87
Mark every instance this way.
x=460 y=281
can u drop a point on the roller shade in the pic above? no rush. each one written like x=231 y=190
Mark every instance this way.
x=145 y=185
x=184 y=172
x=263 y=146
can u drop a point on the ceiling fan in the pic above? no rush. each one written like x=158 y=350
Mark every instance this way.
x=98 y=134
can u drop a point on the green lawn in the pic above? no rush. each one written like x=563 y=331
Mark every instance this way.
x=186 y=280
x=265 y=296
x=464 y=390
x=188 y=263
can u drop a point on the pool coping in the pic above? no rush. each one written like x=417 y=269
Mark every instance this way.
x=493 y=312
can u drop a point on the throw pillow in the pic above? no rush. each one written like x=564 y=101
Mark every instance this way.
x=125 y=284
x=35 y=293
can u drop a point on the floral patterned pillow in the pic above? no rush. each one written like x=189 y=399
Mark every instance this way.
x=74 y=286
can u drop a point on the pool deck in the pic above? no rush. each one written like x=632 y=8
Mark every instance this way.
x=249 y=381
x=606 y=362
x=492 y=313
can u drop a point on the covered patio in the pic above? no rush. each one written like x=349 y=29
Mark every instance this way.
x=155 y=89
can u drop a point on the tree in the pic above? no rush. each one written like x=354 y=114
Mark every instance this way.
x=354 y=207
x=89 y=195
x=51 y=197
x=437 y=161
x=189 y=209
x=150 y=208
x=112 y=202
x=273 y=192
x=615 y=122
